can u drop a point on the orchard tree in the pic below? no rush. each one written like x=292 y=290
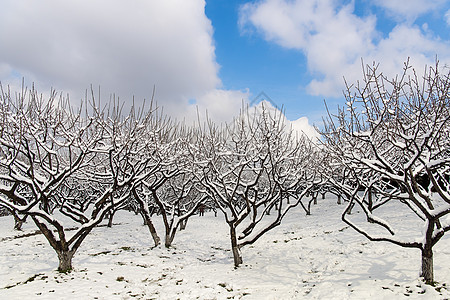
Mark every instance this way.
x=177 y=199
x=391 y=141
x=171 y=187
x=255 y=170
x=57 y=163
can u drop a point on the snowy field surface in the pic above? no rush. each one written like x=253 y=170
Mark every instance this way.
x=307 y=257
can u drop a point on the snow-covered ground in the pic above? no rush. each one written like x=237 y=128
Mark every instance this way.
x=311 y=257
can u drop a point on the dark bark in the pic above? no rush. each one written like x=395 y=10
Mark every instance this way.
x=370 y=204
x=18 y=222
x=169 y=238
x=183 y=224
x=64 y=249
x=65 y=260
x=148 y=221
x=427 y=265
x=234 y=246
x=308 y=210
x=60 y=246
x=350 y=208
x=111 y=217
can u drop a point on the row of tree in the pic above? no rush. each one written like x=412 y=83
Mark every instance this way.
x=389 y=144
x=57 y=162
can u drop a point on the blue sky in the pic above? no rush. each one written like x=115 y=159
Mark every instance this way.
x=215 y=55
x=249 y=59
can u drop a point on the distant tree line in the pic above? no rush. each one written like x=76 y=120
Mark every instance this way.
x=86 y=163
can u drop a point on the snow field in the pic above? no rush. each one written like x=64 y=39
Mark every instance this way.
x=306 y=257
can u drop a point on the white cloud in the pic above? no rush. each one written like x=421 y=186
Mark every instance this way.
x=125 y=47
x=447 y=17
x=300 y=126
x=331 y=37
x=218 y=105
x=410 y=10
x=334 y=40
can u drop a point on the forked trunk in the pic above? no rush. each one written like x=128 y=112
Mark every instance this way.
x=427 y=266
x=168 y=240
x=234 y=247
x=65 y=260
x=170 y=235
x=147 y=220
x=18 y=223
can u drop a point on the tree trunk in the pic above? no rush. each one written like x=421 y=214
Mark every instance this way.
x=183 y=224
x=61 y=246
x=65 y=260
x=142 y=213
x=18 y=222
x=427 y=266
x=146 y=216
x=18 y=225
x=111 y=217
x=169 y=239
x=308 y=210
x=349 y=212
x=234 y=247
x=151 y=228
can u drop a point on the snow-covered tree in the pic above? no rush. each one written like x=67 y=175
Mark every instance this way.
x=255 y=170
x=391 y=141
x=62 y=166
x=171 y=187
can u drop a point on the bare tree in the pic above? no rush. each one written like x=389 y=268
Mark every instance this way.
x=392 y=141
x=177 y=200
x=57 y=162
x=251 y=167
x=171 y=186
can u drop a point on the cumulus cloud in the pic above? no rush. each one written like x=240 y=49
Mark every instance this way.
x=334 y=39
x=399 y=10
x=124 y=47
x=300 y=126
x=218 y=105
